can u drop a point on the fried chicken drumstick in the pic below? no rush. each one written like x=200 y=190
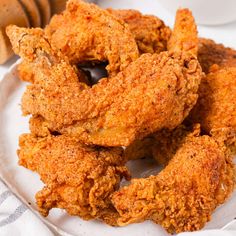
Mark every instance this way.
x=156 y=91
x=77 y=178
x=182 y=197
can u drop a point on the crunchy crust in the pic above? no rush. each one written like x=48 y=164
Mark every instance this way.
x=211 y=53
x=182 y=197
x=77 y=178
x=150 y=32
x=156 y=91
x=89 y=33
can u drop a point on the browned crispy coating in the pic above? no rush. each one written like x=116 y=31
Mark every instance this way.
x=26 y=73
x=216 y=106
x=156 y=91
x=182 y=197
x=184 y=36
x=210 y=53
x=161 y=145
x=50 y=67
x=84 y=32
x=215 y=109
x=150 y=32
x=77 y=178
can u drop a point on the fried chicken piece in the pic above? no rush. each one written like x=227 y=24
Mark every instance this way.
x=216 y=106
x=211 y=53
x=156 y=91
x=150 y=32
x=182 y=197
x=88 y=33
x=77 y=178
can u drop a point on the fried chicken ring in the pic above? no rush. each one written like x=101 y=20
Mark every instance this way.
x=156 y=91
x=89 y=33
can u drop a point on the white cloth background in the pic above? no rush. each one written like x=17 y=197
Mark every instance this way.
x=16 y=219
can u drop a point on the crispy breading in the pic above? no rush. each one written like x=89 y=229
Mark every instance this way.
x=182 y=197
x=216 y=106
x=184 y=36
x=161 y=145
x=39 y=58
x=215 y=109
x=26 y=73
x=156 y=91
x=150 y=32
x=210 y=53
x=77 y=178
x=89 y=33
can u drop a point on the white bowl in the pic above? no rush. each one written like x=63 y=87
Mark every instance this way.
x=206 y=12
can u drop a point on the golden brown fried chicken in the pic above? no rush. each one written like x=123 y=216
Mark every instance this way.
x=182 y=197
x=84 y=32
x=150 y=33
x=156 y=91
x=77 y=178
x=211 y=53
x=216 y=106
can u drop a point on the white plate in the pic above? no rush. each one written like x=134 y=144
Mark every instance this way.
x=25 y=183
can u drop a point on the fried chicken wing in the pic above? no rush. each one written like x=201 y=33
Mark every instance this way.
x=77 y=178
x=156 y=91
x=182 y=197
x=150 y=33
x=211 y=53
x=89 y=33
